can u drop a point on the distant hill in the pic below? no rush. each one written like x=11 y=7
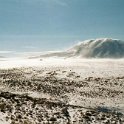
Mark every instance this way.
x=98 y=48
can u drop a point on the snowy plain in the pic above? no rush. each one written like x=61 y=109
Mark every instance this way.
x=86 y=67
x=102 y=82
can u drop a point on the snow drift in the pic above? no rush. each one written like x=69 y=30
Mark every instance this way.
x=98 y=48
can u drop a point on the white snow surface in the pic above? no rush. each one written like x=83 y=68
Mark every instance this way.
x=85 y=67
x=2 y=119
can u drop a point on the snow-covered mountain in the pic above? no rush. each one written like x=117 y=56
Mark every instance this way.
x=98 y=48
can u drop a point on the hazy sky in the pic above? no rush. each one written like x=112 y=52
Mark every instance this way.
x=38 y=25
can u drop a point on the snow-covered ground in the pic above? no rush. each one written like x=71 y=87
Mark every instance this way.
x=61 y=90
x=85 y=67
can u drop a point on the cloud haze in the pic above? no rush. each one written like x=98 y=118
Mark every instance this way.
x=6 y=52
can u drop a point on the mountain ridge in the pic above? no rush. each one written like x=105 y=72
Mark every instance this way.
x=94 y=48
x=100 y=48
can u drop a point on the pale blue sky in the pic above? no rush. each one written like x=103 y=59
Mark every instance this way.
x=38 y=25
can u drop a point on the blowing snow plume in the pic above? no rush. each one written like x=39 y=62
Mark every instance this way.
x=98 y=48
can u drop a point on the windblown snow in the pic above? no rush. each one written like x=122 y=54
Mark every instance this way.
x=98 y=48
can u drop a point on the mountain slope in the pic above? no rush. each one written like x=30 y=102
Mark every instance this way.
x=99 y=48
